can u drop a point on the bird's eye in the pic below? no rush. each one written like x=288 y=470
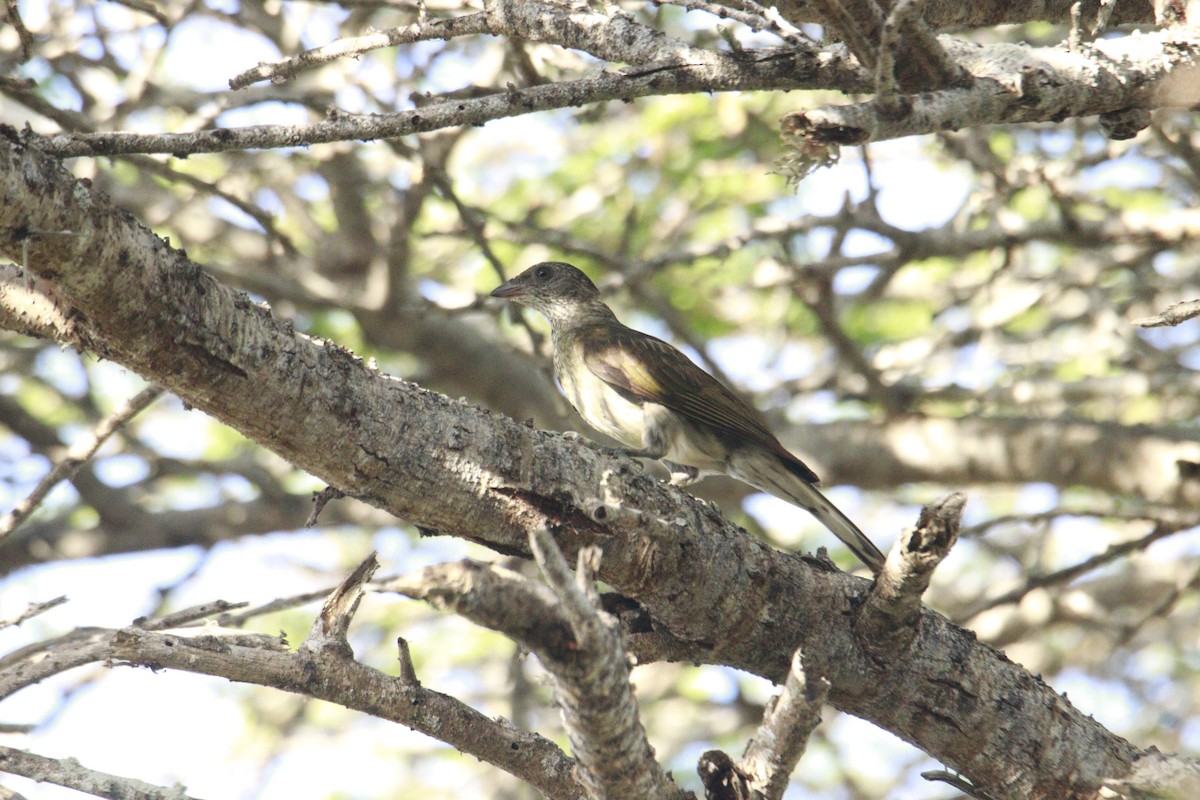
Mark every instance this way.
x=542 y=273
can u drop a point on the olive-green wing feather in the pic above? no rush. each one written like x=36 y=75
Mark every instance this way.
x=651 y=370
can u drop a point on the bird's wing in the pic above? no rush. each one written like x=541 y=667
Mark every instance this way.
x=653 y=371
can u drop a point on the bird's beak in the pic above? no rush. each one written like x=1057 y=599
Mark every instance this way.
x=508 y=289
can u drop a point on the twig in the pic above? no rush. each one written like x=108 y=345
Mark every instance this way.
x=328 y=632
x=70 y=773
x=23 y=34
x=1103 y=12
x=408 y=672
x=280 y=604
x=1161 y=610
x=187 y=615
x=957 y=781
x=1075 y=34
x=320 y=500
x=149 y=8
x=1173 y=315
x=76 y=456
x=753 y=15
x=1068 y=574
x=422 y=30
x=32 y=610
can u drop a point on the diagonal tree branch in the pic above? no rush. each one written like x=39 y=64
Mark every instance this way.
x=70 y=773
x=76 y=456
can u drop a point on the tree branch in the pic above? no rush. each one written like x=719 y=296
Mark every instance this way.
x=75 y=457
x=955 y=14
x=70 y=773
x=788 y=720
x=1013 y=83
x=703 y=71
x=324 y=674
x=351 y=47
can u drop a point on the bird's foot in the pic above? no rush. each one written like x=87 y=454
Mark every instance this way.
x=611 y=452
x=682 y=475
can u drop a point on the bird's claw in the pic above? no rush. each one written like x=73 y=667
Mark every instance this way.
x=682 y=475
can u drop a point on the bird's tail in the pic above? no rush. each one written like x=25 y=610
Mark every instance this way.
x=772 y=474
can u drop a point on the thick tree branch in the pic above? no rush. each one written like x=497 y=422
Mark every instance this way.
x=1014 y=83
x=955 y=14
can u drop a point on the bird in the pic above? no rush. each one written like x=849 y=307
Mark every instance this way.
x=649 y=396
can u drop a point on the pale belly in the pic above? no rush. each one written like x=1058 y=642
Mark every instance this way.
x=643 y=425
x=604 y=409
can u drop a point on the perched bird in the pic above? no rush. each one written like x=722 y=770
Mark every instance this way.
x=649 y=396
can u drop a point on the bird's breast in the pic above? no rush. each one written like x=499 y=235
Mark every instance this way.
x=600 y=405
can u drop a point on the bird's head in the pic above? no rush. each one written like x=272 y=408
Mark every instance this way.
x=558 y=290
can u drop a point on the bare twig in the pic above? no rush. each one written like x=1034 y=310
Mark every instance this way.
x=23 y=34
x=187 y=616
x=70 y=773
x=1068 y=574
x=320 y=500
x=408 y=672
x=958 y=782
x=1103 y=12
x=352 y=47
x=32 y=610
x=1173 y=315
x=280 y=604
x=76 y=456
x=331 y=625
